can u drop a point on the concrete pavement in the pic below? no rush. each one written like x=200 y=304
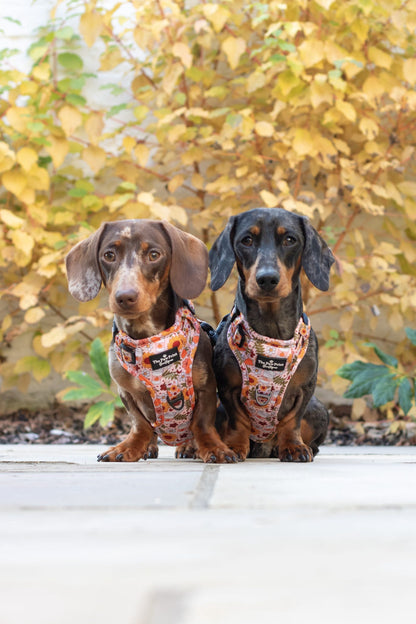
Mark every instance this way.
x=178 y=542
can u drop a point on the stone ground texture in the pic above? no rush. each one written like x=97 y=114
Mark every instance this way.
x=178 y=542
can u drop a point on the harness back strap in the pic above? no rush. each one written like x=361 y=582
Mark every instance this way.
x=267 y=366
x=163 y=363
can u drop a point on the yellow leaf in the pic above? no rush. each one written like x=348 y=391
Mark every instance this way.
x=7 y=157
x=15 y=181
x=70 y=119
x=94 y=127
x=303 y=142
x=216 y=14
x=175 y=183
x=342 y=146
x=53 y=337
x=321 y=93
x=198 y=181
x=95 y=157
x=182 y=51
x=58 y=149
x=111 y=59
x=10 y=219
x=90 y=27
x=141 y=151
x=368 y=127
x=409 y=70
x=407 y=188
x=287 y=81
x=26 y=157
x=325 y=4
x=27 y=196
x=28 y=301
x=170 y=77
x=38 y=179
x=255 y=81
x=346 y=109
x=379 y=58
x=145 y=198
x=311 y=52
x=129 y=143
x=233 y=47
x=22 y=241
x=270 y=200
x=34 y=315
x=18 y=117
x=264 y=128
x=373 y=88
x=42 y=72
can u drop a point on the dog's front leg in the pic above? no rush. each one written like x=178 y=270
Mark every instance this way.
x=238 y=427
x=140 y=442
x=210 y=447
x=290 y=445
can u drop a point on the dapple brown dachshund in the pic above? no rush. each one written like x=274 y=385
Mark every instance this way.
x=159 y=358
x=266 y=356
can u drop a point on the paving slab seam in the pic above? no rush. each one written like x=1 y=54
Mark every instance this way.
x=205 y=487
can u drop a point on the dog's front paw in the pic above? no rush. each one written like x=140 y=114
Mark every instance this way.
x=295 y=453
x=217 y=455
x=186 y=451
x=131 y=449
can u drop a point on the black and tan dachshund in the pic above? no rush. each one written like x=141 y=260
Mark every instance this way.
x=266 y=356
x=159 y=358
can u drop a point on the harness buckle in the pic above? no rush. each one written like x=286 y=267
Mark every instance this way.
x=131 y=357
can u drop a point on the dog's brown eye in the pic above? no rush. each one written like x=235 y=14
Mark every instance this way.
x=288 y=241
x=154 y=255
x=110 y=256
x=247 y=241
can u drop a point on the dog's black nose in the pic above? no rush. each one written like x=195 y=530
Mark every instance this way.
x=126 y=298
x=267 y=279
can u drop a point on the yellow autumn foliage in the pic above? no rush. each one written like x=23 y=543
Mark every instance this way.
x=204 y=110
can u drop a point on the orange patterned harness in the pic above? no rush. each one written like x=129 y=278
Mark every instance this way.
x=163 y=363
x=267 y=366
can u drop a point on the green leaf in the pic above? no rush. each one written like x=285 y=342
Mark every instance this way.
x=107 y=414
x=286 y=46
x=70 y=61
x=350 y=371
x=64 y=33
x=384 y=357
x=13 y=20
x=81 y=394
x=383 y=392
x=364 y=382
x=113 y=88
x=405 y=395
x=278 y=58
x=116 y=109
x=94 y=413
x=84 y=380
x=411 y=334
x=99 y=361
x=118 y=402
x=77 y=192
x=75 y=99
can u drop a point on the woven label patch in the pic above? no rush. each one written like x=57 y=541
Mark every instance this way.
x=165 y=358
x=271 y=364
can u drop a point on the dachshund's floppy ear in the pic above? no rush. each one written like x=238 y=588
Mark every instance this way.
x=189 y=266
x=83 y=273
x=317 y=257
x=222 y=257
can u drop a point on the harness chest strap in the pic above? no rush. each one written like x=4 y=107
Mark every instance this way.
x=267 y=367
x=163 y=363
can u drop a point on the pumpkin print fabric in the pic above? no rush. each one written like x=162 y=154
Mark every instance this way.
x=163 y=363
x=267 y=366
